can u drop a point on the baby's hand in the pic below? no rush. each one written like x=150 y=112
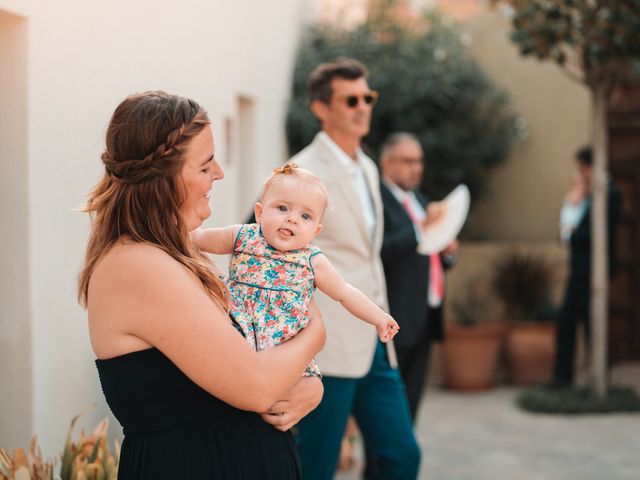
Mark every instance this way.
x=387 y=328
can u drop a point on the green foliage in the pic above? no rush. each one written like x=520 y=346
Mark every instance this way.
x=428 y=86
x=465 y=313
x=523 y=282
x=600 y=36
x=472 y=306
x=571 y=400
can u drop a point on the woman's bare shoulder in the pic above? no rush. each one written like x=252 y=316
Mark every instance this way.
x=138 y=276
x=127 y=261
x=136 y=253
x=133 y=290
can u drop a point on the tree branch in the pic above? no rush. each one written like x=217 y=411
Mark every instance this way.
x=572 y=75
x=576 y=77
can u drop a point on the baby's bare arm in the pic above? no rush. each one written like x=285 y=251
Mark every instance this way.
x=216 y=240
x=331 y=282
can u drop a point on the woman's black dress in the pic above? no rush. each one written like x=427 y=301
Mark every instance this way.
x=175 y=430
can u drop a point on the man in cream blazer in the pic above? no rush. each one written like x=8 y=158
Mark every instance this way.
x=359 y=373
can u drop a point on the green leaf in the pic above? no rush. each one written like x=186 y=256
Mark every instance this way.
x=69 y=453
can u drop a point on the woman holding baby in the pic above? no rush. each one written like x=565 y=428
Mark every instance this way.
x=194 y=398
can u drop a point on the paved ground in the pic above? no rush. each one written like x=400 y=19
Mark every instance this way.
x=485 y=436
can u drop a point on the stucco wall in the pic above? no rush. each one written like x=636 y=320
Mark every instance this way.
x=523 y=196
x=475 y=268
x=82 y=58
x=15 y=318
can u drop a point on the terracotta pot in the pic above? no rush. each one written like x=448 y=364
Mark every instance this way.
x=470 y=354
x=529 y=353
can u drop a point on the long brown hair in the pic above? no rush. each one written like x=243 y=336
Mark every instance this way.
x=139 y=195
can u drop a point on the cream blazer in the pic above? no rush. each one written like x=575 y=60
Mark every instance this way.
x=347 y=243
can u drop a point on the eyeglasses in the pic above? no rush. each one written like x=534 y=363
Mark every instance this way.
x=370 y=98
x=408 y=161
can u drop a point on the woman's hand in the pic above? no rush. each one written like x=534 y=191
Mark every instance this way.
x=301 y=399
x=307 y=393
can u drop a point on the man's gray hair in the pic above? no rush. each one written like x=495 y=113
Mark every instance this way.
x=394 y=139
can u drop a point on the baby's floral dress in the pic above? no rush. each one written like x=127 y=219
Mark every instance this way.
x=270 y=290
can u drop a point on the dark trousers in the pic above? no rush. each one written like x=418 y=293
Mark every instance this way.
x=413 y=362
x=575 y=311
x=380 y=407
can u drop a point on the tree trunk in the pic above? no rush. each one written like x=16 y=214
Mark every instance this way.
x=599 y=249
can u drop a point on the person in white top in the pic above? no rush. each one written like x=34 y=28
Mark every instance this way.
x=577 y=222
x=359 y=371
x=574 y=207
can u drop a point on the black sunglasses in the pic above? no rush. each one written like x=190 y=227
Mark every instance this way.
x=370 y=98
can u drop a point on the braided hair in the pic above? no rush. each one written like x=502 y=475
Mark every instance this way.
x=140 y=193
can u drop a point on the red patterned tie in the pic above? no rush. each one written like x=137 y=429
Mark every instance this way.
x=436 y=272
x=436 y=277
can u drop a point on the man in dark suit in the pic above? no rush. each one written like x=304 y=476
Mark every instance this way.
x=415 y=282
x=576 y=230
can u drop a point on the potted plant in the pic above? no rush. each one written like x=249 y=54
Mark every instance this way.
x=523 y=282
x=472 y=341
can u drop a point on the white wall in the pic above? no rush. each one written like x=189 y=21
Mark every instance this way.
x=15 y=318
x=83 y=58
x=523 y=196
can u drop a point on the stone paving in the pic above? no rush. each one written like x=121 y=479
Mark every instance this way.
x=485 y=436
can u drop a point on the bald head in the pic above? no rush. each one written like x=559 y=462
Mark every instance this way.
x=401 y=160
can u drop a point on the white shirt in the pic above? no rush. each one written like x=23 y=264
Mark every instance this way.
x=357 y=179
x=571 y=215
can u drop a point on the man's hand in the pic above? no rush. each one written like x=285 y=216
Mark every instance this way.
x=301 y=399
x=435 y=210
x=452 y=248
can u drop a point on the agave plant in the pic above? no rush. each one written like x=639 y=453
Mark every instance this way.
x=29 y=466
x=88 y=459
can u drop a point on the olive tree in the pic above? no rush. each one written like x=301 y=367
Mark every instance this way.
x=428 y=85
x=596 y=43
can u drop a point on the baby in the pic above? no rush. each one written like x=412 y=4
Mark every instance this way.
x=274 y=269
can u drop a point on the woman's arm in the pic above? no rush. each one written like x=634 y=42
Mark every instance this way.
x=295 y=405
x=155 y=298
x=300 y=400
x=331 y=282
x=216 y=240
